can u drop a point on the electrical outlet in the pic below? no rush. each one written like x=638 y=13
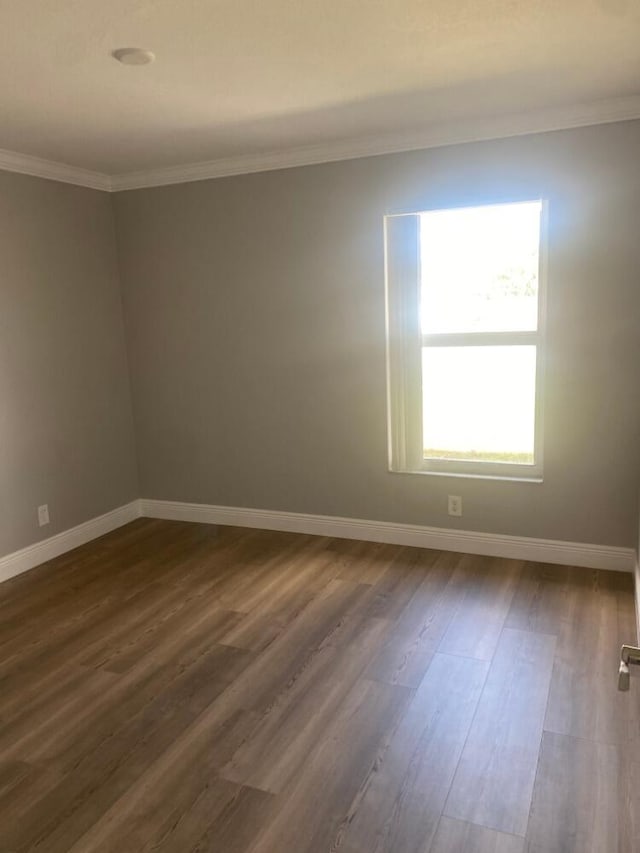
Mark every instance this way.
x=455 y=505
x=43 y=515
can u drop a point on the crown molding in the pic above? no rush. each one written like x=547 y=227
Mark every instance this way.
x=435 y=136
x=452 y=133
x=25 y=164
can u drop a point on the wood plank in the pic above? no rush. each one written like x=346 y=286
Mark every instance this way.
x=361 y=562
x=488 y=586
x=590 y=629
x=288 y=729
x=83 y=643
x=577 y=798
x=420 y=628
x=53 y=821
x=628 y=800
x=542 y=597
x=282 y=598
x=583 y=699
x=233 y=829
x=585 y=702
x=80 y=694
x=271 y=564
x=287 y=658
x=171 y=785
x=179 y=617
x=400 y=801
x=493 y=784
x=317 y=803
x=26 y=785
x=454 y=836
x=143 y=668
x=168 y=815
x=88 y=716
x=395 y=587
x=549 y=596
x=99 y=776
x=280 y=571
x=223 y=726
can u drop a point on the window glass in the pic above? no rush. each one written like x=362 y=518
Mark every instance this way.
x=479 y=268
x=479 y=403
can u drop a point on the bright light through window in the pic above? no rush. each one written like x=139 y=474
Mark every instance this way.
x=479 y=403
x=479 y=268
x=479 y=273
x=465 y=374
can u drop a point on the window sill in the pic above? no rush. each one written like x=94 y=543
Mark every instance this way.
x=462 y=476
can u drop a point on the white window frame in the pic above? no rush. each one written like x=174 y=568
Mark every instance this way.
x=405 y=342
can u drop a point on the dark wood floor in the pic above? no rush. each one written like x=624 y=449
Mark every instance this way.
x=181 y=689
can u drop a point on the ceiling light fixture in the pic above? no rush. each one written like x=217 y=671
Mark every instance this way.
x=133 y=55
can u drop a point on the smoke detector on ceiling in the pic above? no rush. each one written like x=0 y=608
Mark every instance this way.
x=133 y=55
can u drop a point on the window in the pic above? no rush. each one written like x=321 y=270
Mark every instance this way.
x=465 y=325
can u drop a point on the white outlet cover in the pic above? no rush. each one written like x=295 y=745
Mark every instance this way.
x=43 y=515
x=454 y=505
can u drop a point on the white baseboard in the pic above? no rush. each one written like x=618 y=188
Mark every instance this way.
x=465 y=541
x=40 y=552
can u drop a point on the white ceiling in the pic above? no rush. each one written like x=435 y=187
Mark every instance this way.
x=238 y=78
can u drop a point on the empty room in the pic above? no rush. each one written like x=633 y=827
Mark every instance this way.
x=319 y=426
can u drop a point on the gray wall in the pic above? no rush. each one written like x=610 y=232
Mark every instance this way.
x=66 y=435
x=254 y=309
